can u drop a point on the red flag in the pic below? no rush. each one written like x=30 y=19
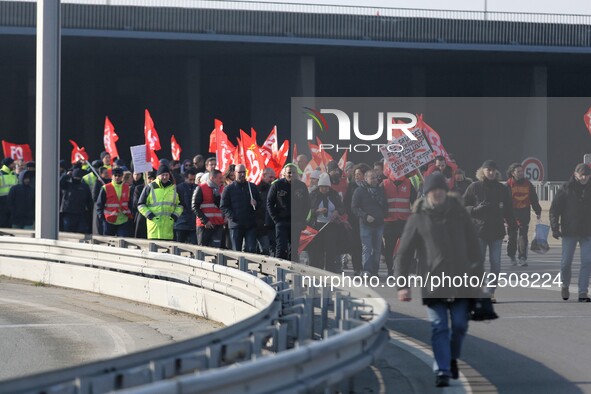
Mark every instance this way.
x=269 y=148
x=253 y=160
x=587 y=119
x=175 y=149
x=343 y=162
x=152 y=140
x=326 y=157
x=212 y=143
x=17 y=151
x=109 y=139
x=294 y=156
x=224 y=148
x=306 y=236
x=281 y=156
x=433 y=138
x=78 y=153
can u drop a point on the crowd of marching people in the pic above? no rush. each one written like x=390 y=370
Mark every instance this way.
x=436 y=218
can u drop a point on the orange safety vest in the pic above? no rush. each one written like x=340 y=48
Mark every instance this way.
x=115 y=205
x=212 y=211
x=519 y=193
x=398 y=200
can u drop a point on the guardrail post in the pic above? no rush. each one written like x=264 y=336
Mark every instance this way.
x=221 y=259
x=243 y=264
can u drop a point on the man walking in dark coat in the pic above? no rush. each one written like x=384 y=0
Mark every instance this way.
x=184 y=228
x=239 y=202
x=443 y=237
x=21 y=201
x=288 y=205
x=77 y=205
x=489 y=203
x=570 y=218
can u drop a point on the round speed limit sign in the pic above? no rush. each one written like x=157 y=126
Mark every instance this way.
x=533 y=169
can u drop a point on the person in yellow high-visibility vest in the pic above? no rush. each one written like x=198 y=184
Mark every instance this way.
x=113 y=205
x=7 y=180
x=160 y=204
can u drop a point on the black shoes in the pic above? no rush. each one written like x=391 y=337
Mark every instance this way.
x=564 y=293
x=584 y=299
x=441 y=381
x=455 y=372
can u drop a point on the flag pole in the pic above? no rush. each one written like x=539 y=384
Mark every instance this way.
x=95 y=173
x=250 y=191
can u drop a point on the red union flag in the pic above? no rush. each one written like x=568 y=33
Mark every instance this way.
x=253 y=160
x=78 y=153
x=175 y=149
x=433 y=138
x=151 y=139
x=225 y=151
x=587 y=119
x=306 y=236
x=109 y=139
x=270 y=146
x=17 y=151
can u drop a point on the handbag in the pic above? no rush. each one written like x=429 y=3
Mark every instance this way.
x=482 y=309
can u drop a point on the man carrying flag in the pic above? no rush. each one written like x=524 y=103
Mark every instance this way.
x=113 y=205
x=288 y=204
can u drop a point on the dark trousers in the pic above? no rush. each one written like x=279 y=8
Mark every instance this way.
x=282 y=240
x=355 y=247
x=244 y=236
x=211 y=237
x=392 y=233
x=75 y=223
x=5 y=216
x=186 y=236
x=518 y=237
x=323 y=248
x=118 y=230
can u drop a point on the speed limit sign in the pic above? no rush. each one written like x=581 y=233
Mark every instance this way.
x=533 y=169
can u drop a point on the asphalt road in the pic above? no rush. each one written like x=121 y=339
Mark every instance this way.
x=44 y=328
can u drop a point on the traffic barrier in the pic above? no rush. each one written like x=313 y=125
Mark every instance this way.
x=280 y=335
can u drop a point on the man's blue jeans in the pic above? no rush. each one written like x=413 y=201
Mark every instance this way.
x=371 y=247
x=494 y=256
x=446 y=343
x=569 y=244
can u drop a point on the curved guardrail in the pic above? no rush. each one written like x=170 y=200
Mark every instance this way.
x=281 y=336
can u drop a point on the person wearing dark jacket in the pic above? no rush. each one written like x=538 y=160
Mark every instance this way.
x=21 y=201
x=355 y=246
x=288 y=204
x=184 y=228
x=77 y=205
x=370 y=206
x=265 y=237
x=489 y=203
x=570 y=218
x=239 y=202
x=98 y=220
x=461 y=182
x=325 y=210
x=444 y=239
x=523 y=198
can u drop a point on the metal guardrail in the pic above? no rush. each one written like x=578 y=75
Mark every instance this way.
x=287 y=338
x=308 y=21
x=547 y=190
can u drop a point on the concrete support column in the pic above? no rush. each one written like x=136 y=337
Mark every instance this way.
x=535 y=136
x=48 y=118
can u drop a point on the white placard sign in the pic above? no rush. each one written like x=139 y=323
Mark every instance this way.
x=138 y=156
x=414 y=155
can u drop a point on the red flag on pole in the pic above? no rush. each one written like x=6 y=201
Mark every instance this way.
x=17 y=151
x=343 y=162
x=253 y=160
x=433 y=138
x=587 y=119
x=270 y=147
x=212 y=143
x=78 y=153
x=175 y=149
x=224 y=149
x=306 y=236
x=109 y=139
x=152 y=140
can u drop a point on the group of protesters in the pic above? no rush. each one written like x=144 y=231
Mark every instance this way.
x=428 y=221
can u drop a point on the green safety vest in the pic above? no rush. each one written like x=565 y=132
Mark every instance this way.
x=162 y=202
x=90 y=180
x=7 y=180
